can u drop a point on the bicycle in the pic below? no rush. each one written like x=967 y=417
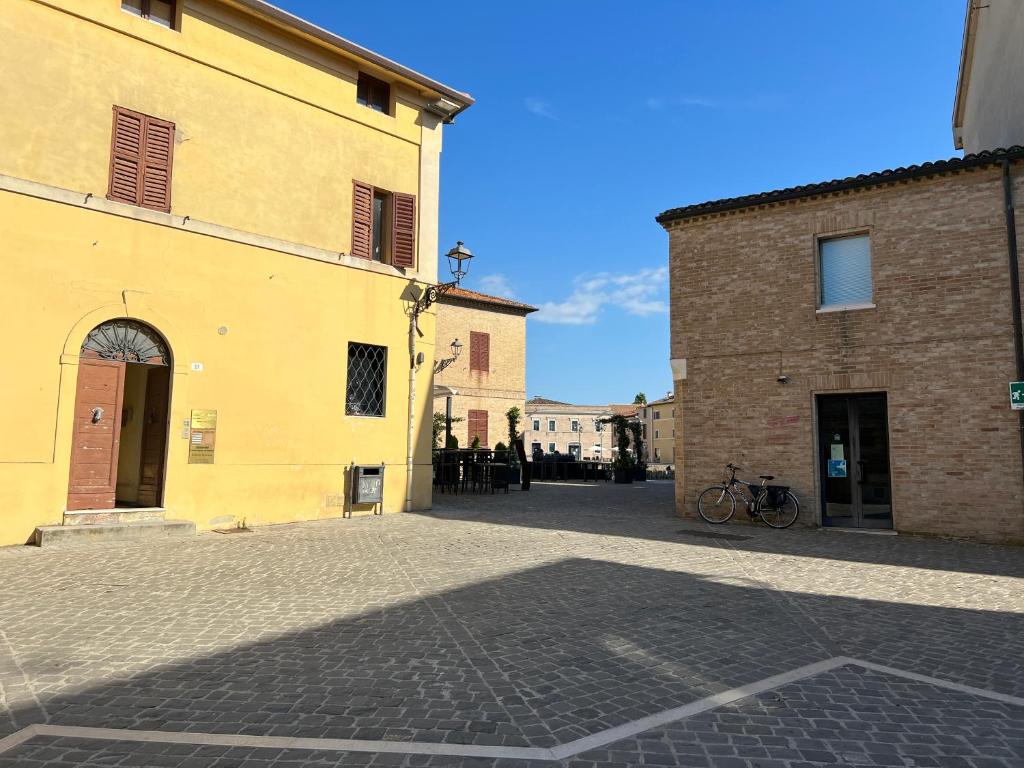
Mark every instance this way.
x=772 y=503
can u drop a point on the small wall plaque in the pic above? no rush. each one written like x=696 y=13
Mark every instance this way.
x=202 y=437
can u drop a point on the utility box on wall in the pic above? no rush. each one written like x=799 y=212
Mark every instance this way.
x=368 y=484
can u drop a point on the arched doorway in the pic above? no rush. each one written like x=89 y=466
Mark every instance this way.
x=122 y=405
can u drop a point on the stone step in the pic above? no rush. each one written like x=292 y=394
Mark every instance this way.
x=116 y=515
x=61 y=535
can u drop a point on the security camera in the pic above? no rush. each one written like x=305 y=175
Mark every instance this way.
x=783 y=379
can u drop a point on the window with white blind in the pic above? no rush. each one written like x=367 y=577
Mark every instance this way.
x=845 y=265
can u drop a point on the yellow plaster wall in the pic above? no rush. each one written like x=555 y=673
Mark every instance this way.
x=269 y=136
x=277 y=378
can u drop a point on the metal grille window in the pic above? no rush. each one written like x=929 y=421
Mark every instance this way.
x=367 y=378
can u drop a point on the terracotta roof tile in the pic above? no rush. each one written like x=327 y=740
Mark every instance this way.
x=467 y=295
x=938 y=167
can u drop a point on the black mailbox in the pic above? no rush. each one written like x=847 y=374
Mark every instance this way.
x=368 y=484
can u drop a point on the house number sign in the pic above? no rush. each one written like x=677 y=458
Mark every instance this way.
x=202 y=438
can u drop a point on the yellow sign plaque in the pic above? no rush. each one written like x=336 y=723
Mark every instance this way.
x=202 y=439
x=204 y=419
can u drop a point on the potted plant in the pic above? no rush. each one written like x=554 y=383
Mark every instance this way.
x=513 y=416
x=505 y=472
x=640 y=465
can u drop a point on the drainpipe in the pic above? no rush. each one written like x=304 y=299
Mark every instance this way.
x=1012 y=255
x=411 y=442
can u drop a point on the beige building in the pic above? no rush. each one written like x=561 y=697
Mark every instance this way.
x=480 y=363
x=658 y=418
x=553 y=426
x=989 y=108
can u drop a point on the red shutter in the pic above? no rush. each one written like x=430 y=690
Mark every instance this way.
x=126 y=140
x=362 y=219
x=141 y=156
x=404 y=231
x=157 y=160
x=477 y=427
x=479 y=351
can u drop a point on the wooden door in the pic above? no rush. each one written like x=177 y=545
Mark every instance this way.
x=154 y=436
x=96 y=436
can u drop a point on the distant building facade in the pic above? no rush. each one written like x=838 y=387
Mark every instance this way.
x=578 y=430
x=552 y=426
x=658 y=418
x=989 y=108
x=489 y=375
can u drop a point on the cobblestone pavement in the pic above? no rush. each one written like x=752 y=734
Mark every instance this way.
x=519 y=620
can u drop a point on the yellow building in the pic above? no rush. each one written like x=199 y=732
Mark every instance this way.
x=489 y=375
x=214 y=218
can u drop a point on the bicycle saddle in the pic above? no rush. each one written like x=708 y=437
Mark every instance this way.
x=767 y=477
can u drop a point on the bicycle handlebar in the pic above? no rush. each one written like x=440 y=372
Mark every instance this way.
x=733 y=466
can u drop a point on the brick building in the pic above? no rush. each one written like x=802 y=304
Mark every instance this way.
x=489 y=375
x=856 y=339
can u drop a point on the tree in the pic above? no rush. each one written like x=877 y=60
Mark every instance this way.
x=513 y=415
x=640 y=399
x=621 y=425
x=438 y=425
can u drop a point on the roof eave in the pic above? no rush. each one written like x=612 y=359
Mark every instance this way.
x=881 y=178
x=963 y=79
x=307 y=28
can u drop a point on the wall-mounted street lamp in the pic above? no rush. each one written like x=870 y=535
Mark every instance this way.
x=458 y=264
x=456 y=348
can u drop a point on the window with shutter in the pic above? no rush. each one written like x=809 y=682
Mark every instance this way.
x=477 y=427
x=404 y=231
x=141 y=158
x=479 y=351
x=362 y=219
x=845 y=265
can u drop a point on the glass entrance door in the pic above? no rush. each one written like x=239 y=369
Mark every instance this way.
x=853 y=439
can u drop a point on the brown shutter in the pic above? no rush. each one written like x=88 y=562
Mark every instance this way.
x=157 y=161
x=126 y=140
x=362 y=219
x=404 y=231
x=479 y=351
x=477 y=427
x=141 y=156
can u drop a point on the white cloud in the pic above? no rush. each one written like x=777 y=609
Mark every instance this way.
x=660 y=102
x=539 y=107
x=496 y=285
x=642 y=294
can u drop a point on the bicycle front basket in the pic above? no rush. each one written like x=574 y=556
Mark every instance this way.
x=775 y=495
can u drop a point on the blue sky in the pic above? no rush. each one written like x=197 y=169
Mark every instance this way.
x=593 y=117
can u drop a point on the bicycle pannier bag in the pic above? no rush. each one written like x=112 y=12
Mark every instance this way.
x=776 y=495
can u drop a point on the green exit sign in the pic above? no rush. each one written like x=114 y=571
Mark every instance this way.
x=1017 y=395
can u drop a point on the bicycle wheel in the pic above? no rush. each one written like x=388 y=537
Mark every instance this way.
x=781 y=516
x=716 y=504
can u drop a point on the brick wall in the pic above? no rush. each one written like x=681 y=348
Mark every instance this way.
x=939 y=343
x=494 y=391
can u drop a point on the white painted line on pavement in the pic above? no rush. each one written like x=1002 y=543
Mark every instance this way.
x=18 y=737
x=714 y=701
x=290 y=742
x=561 y=752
